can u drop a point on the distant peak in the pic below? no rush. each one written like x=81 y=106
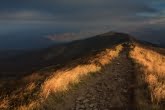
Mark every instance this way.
x=111 y=33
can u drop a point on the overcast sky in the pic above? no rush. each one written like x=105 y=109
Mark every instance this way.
x=144 y=18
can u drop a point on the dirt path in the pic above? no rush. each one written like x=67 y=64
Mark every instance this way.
x=109 y=90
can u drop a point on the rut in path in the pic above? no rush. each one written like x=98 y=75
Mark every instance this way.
x=109 y=90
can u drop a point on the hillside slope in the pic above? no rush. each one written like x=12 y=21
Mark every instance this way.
x=59 y=55
x=119 y=73
x=110 y=88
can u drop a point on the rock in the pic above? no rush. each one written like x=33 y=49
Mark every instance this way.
x=118 y=63
x=125 y=91
x=78 y=106
x=91 y=105
x=77 y=101
x=88 y=95
x=102 y=101
x=85 y=101
x=82 y=106
x=93 y=98
x=88 y=109
x=116 y=78
x=99 y=90
x=80 y=98
x=86 y=105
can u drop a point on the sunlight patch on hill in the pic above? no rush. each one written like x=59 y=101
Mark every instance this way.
x=61 y=80
x=150 y=67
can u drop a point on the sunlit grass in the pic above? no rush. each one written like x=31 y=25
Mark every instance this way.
x=4 y=103
x=150 y=67
x=63 y=80
x=59 y=83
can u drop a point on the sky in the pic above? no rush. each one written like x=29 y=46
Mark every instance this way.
x=32 y=23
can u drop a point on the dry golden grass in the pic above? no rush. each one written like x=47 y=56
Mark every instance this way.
x=20 y=93
x=4 y=103
x=33 y=77
x=32 y=106
x=62 y=79
x=31 y=87
x=58 y=84
x=150 y=67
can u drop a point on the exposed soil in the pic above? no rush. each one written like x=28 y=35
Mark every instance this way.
x=112 y=88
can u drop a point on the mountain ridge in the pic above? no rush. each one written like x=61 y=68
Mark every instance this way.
x=108 y=71
x=73 y=50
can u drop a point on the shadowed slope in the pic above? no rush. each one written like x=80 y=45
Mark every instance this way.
x=62 y=81
x=60 y=55
x=28 y=87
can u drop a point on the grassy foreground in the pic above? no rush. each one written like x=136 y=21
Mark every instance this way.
x=150 y=77
x=35 y=96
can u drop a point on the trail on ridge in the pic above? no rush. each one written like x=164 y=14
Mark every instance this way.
x=112 y=88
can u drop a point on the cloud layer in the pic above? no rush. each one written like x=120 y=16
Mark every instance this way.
x=82 y=16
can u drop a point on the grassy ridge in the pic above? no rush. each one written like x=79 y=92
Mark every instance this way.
x=35 y=92
x=150 y=76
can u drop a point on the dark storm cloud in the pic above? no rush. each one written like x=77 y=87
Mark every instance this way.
x=71 y=10
x=132 y=16
x=82 y=11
